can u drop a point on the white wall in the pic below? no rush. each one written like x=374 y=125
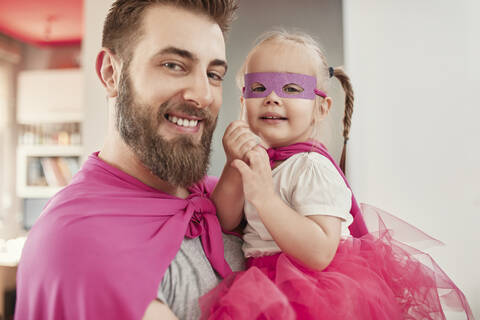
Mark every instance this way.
x=96 y=117
x=6 y=195
x=322 y=19
x=414 y=149
x=9 y=206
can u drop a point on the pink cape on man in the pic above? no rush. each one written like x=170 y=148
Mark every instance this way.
x=102 y=245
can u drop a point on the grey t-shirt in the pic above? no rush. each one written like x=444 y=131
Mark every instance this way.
x=190 y=275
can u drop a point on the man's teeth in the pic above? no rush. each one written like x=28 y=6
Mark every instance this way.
x=183 y=122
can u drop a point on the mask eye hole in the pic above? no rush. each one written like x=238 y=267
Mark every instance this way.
x=257 y=87
x=292 y=88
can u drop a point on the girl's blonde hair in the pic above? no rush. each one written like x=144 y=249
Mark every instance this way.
x=322 y=73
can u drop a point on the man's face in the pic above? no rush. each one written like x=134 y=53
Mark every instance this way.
x=170 y=93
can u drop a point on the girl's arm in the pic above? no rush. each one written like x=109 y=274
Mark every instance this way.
x=312 y=240
x=228 y=193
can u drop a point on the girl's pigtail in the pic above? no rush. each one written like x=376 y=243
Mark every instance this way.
x=347 y=119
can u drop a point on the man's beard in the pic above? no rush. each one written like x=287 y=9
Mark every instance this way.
x=179 y=161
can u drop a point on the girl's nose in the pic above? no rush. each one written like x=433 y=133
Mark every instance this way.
x=272 y=99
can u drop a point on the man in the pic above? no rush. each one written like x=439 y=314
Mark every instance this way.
x=134 y=235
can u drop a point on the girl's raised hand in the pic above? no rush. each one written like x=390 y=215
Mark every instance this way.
x=238 y=140
x=256 y=176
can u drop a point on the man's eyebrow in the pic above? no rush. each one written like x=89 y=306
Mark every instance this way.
x=221 y=63
x=190 y=56
x=177 y=51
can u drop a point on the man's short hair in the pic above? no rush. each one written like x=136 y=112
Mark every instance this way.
x=122 y=26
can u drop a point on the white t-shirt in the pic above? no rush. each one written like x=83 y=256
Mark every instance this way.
x=311 y=185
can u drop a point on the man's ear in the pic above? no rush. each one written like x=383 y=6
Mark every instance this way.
x=108 y=71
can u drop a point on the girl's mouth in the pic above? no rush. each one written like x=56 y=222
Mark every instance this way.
x=273 y=118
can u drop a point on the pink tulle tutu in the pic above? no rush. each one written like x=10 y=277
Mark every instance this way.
x=377 y=276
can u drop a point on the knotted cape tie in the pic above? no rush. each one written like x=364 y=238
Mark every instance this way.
x=204 y=224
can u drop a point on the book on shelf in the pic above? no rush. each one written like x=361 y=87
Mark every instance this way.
x=52 y=173
x=35 y=174
x=58 y=171
x=64 y=169
x=63 y=134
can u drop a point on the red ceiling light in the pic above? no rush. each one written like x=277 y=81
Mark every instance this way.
x=43 y=22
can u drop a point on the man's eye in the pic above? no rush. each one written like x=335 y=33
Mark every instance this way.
x=292 y=89
x=173 y=66
x=215 y=76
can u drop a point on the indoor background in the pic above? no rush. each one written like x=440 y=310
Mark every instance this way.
x=413 y=148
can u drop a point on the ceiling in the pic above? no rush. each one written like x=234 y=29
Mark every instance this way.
x=43 y=22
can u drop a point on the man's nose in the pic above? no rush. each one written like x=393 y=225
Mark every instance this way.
x=199 y=91
x=272 y=99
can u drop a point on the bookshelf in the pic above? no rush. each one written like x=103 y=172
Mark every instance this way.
x=42 y=170
x=49 y=122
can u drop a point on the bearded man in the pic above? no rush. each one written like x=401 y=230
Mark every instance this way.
x=134 y=234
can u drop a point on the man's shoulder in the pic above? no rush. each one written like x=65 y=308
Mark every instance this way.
x=209 y=183
x=210 y=180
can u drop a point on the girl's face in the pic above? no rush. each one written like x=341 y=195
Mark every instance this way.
x=280 y=121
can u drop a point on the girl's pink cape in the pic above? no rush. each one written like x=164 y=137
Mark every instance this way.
x=358 y=227
x=379 y=273
x=102 y=245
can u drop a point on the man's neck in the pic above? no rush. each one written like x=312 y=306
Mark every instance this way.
x=116 y=153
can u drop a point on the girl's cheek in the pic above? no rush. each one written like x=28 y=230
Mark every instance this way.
x=249 y=116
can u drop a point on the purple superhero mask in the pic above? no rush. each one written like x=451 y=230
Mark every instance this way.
x=277 y=81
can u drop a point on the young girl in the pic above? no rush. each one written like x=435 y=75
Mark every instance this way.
x=309 y=253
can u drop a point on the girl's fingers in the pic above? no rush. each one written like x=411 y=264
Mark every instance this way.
x=241 y=134
x=246 y=144
x=242 y=168
x=232 y=127
x=233 y=137
x=239 y=142
x=258 y=158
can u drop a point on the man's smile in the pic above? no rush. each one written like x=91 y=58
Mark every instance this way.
x=183 y=121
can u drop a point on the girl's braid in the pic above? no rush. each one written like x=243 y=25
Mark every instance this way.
x=347 y=119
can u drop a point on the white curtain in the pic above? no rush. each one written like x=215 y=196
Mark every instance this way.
x=9 y=225
x=3 y=124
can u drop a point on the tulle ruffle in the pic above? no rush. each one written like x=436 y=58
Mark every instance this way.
x=382 y=275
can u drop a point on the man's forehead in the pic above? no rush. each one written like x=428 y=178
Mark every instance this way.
x=166 y=26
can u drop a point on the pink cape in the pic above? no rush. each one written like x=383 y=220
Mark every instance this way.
x=103 y=243
x=358 y=227
x=375 y=274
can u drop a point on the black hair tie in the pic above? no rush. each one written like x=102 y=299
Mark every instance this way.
x=330 y=71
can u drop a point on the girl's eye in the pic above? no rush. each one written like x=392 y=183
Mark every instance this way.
x=257 y=87
x=292 y=88
x=173 y=66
